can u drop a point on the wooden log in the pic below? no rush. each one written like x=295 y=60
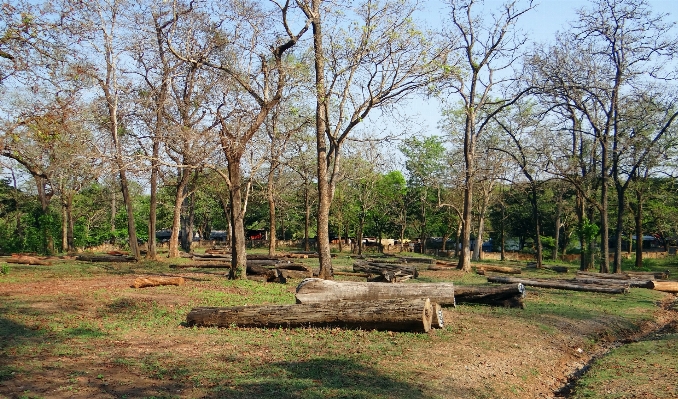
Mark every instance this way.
x=557 y=269
x=105 y=258
x=300 y=274
x=293 y=266
x=657 y=275
x=558 y=284
x=498 y=269
x=143 y=282
x=665 y=286
x=602 y=281
x=201 y=265
x=315 y=290
x=510 y=296
x=411 y=259
x=439 y=268
x=607 y=276
x=388 y=276
x=350 y=274
x=27 y=260
x=376 y=268
x=445 y=263
x=393 y=315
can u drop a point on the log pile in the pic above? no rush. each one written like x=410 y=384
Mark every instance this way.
x=143 y=282
x=392 y=315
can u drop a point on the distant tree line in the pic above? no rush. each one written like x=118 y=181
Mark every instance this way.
x=119 y=119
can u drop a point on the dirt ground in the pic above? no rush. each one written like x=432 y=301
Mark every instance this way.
x=481 y=353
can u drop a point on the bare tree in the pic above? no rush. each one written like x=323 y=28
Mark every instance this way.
x=248 y=44
x=489 y=48
x=378 y=61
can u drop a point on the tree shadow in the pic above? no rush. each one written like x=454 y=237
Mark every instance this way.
x=319 y=378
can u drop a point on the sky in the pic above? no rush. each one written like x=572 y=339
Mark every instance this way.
x=540 y=25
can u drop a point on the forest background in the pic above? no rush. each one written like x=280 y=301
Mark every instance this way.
x=304 y=119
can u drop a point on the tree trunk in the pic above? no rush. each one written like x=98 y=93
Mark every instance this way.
x=324 y=185
x=621 y=208
x=604 y=225
x=238 y=246
x=638 y=219
x=307 y=217
x=271 y=210
x=559 y=211
x=179 y=197
x=152 y=253
x=393 y=315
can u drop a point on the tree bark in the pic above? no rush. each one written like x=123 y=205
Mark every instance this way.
x=238 y=245
x=666 y=286
x=498 y=269
x=392 y=315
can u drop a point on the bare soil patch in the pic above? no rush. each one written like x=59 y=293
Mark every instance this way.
x=95 y=337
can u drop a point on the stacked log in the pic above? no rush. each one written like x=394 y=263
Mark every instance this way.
x=315 y=290
x=571 y=285
x=143 y=282
x=377 y=268
x=392 y=315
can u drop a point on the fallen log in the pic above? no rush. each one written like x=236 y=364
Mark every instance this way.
x=665 y=286
x=388 y=276
x=376 y=268
x=105 y=258
x=350 y=274
x=392 y=315
x=440 y=268
x=315 y=290
x=298 y=274
x=27 y=260
x=201 y=265
x=558 y=284
x=510 y=296
x=557 y=269
x=143 y=282
x=498 y=269
x=657 y=275
x=602 y=281
x=293 y=266
x=412 y=259
x=445 y=263
x=606 y=276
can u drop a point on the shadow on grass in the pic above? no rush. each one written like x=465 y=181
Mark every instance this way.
x=319 y=378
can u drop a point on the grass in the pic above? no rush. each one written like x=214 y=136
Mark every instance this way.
x=81 y=327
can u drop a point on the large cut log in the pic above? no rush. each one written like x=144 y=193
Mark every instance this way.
x=392 y=315
x=558 y=284
x=657 y=275
x=388 y=276
x=557 y=269
x=264 y=274
x=143 y=282
x=315 y=290
x=376 y=268
x=498 y=269
x=105 y=258
x=509 y=295
x=212 y=257
x=666 y=286
x=603 y=281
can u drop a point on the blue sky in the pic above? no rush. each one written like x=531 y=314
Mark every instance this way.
x=540 y=24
